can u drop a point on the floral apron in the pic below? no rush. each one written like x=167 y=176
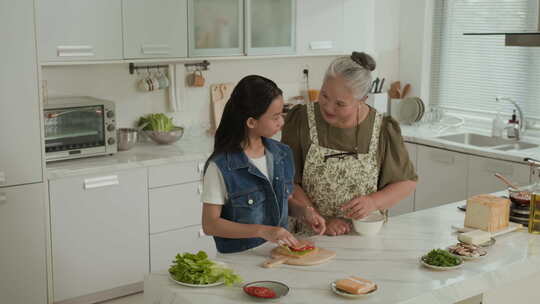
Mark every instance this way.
x=330 y=182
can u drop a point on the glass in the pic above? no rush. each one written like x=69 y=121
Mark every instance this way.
x=534 y=212
x=73 y=128
x=216 y=24
x=271 y=23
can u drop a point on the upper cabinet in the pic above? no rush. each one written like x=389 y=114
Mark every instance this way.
x=216 y=27
x=270 y=27
x=74 y=30
x=320 y=27
x=154 y=28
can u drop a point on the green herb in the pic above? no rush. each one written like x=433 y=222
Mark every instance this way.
x=156 y=122
x=442 y=258
x=198 y=269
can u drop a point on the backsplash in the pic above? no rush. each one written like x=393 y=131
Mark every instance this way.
x=113 y=82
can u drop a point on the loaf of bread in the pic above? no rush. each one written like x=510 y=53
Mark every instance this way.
x=475 y=237
x=355 y=285
x=487 y=212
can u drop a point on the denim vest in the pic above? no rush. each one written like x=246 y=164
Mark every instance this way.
x=252 y=198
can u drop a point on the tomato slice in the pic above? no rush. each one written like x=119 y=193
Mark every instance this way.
x=260 y=292
x=304 y=248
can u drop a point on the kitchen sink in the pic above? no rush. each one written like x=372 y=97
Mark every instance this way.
x=477 y=140
x=496 y=143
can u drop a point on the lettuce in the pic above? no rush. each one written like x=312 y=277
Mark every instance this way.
x=198 y=269
x=156 y=122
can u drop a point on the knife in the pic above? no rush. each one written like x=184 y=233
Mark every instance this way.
x=380 y=86
x=374 y=85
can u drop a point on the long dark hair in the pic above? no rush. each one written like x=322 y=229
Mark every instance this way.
x=250 y=98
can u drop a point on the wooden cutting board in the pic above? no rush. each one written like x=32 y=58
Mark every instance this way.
x=318 y=256
x=220 y=94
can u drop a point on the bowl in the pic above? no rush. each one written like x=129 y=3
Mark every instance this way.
x=127 y=138
x=370 y=225
x=166 y=137
x=520 y=197
x=279 y=288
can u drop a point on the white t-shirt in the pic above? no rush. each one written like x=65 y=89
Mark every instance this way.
x=214 y=189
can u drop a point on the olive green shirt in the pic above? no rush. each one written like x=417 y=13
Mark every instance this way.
x=393 y=158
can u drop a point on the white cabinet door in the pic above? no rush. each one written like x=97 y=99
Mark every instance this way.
x=175 y=207
x=320 y=26
x=20 y=134
x=359 y=26
x=270 y=27
x=216 y=27
x=22 y=235
x=99 y=230
x=154 y=28
x=165 y=246
x=406 y=205
x=482 y=179
x=442 y=177
x=178 y=173
x=79 y=30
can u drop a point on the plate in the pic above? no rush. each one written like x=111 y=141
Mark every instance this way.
x=489 y=243
x=350 y=295
x=196 y=285
x=409 y=110
x=279 y=288
x=464 y=257
x=422 y=109
x=441 y=267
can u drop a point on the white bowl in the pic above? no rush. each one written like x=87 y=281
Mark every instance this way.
x=370 y=225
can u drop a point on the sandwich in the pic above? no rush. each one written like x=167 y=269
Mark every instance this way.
x=355 y=285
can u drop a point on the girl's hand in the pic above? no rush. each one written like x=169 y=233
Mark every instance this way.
x=359 y=207
x=337 y=226
x=278 y=235
x=312 y=218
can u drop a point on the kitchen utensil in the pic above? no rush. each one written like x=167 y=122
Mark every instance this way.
x=369 y=225
x=350 y=295
x=408 y=111
x=196 y=285
x=127 y=138
x=422 y=109
x=318 y=256
x=505 y=180
x=395 y=90
x=220 y=94
x=375 y=85
x=166 y=137
x=441 y=267
x=406 y=90
x=381 y=86
x=279 y=288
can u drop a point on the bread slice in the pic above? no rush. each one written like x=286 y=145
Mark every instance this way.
x=283 y=250
x=355 y=285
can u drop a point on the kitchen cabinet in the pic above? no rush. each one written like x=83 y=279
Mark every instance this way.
x=154 y=29
x=20 y=128
x=99 y=229
x=482 y=179
x=320 y=27
x=79 y=30
x=270 y=27
x=442 y=177
x=22 y=234
x=359 y=26
x=175 y=213
x=216 y=27
x=407 y=204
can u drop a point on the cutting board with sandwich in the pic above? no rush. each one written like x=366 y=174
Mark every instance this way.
x=306 y=254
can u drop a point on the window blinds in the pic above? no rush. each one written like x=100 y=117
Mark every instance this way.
x=468 y=72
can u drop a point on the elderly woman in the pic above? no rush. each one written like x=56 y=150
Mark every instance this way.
x=350 y=160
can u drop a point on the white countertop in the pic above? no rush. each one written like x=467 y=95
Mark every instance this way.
x=390 y=259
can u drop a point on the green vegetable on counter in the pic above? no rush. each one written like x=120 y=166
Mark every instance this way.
x=156 y=122
x=198 y=269
x=441 y=258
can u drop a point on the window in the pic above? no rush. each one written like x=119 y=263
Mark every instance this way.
x=468 y=72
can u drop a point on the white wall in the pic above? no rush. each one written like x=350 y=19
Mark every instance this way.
x=113 y=82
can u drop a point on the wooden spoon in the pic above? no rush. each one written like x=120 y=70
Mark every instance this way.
x=406 y=90
x=506 y=181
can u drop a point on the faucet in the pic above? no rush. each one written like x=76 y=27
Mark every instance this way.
x=521 y=129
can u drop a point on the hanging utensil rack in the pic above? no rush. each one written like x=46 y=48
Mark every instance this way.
x=203 y=66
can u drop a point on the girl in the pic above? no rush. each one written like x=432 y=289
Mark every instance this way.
x=249 y=177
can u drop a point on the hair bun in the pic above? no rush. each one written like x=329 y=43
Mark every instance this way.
x=363 y=59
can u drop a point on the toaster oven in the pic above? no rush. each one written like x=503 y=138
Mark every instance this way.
x=78 y=127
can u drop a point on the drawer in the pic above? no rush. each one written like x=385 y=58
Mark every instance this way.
x=165 y=246
x=175 y=207
x=175 y=173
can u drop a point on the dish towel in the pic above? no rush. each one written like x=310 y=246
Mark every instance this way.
x=174 y=96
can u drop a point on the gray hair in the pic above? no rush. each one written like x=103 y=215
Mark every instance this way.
x=356 y=69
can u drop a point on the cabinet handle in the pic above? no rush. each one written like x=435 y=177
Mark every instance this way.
x=442 y=158
x=155 y=49
x=321 y=45
x=199 y=189
x=2 y=178
x=3 y=198
x=99 y=182
x=75 y=51
x=200 y=167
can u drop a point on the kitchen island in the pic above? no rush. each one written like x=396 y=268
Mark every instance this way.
x=390 y=259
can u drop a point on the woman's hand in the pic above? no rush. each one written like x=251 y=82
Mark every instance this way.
x=278 y=235
x=359 y=207
x=312 y=218
x=337 y=226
